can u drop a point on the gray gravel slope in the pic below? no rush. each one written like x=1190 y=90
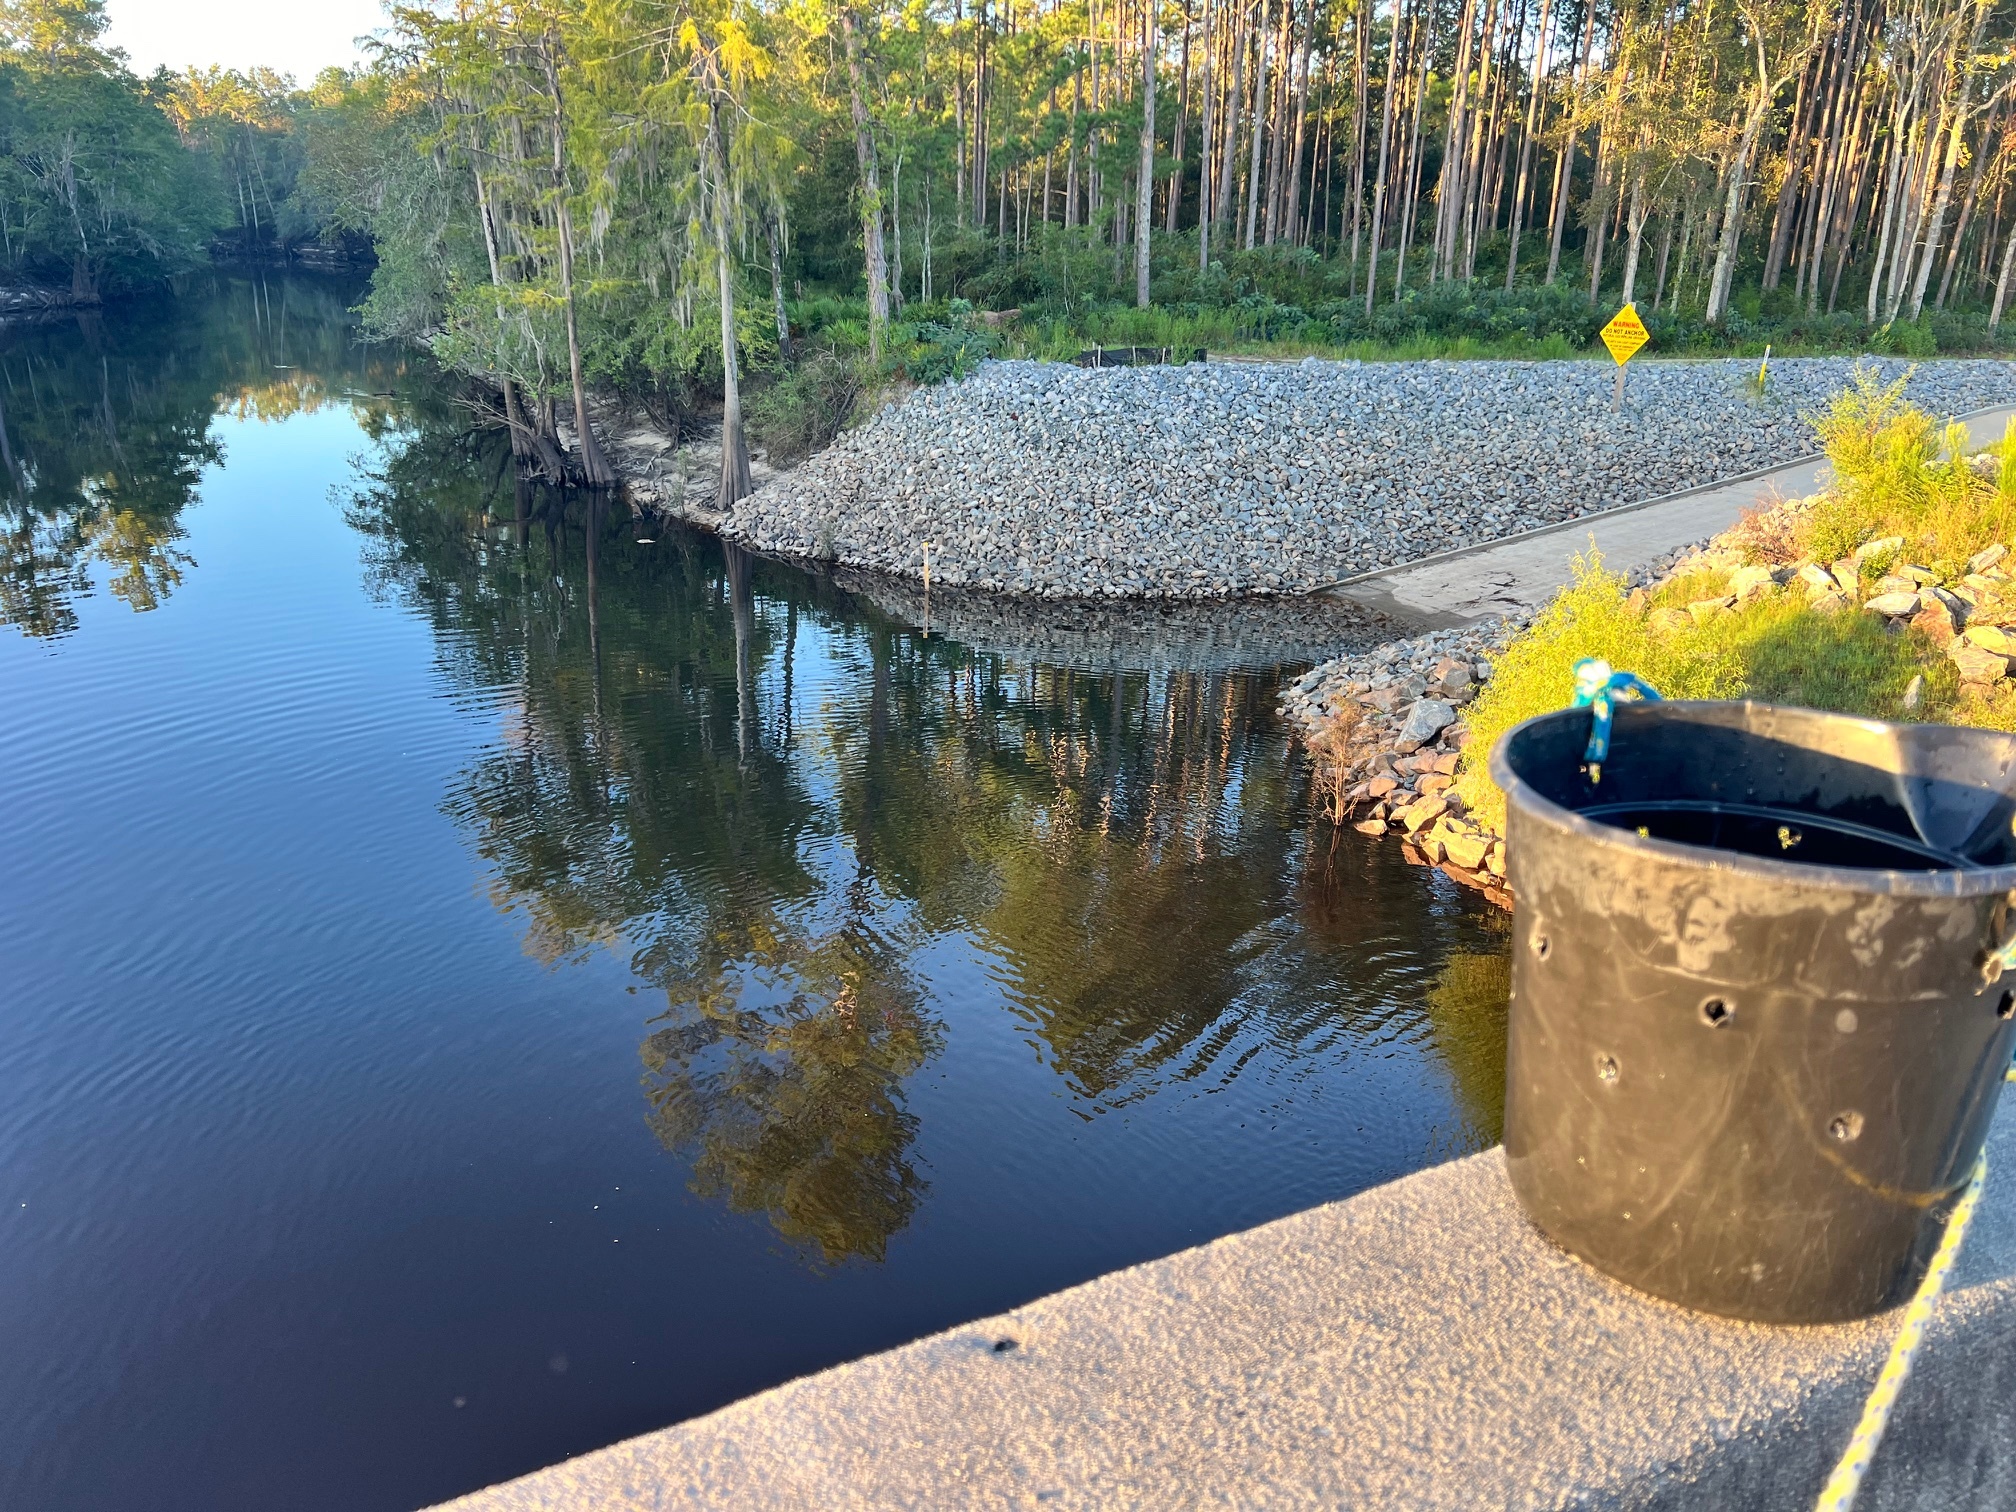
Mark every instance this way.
x=1219 y=479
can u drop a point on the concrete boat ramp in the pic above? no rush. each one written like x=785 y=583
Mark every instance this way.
x=1419 y=1346
x=1523 y=571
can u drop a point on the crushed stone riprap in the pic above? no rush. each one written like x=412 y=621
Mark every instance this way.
x=1386 y=727
x=1220 y=479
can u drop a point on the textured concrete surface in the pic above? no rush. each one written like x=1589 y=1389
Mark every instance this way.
x=1462 y=586
x=1417 y=1347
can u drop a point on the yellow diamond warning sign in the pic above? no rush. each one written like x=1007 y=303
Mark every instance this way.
x=1625 y=334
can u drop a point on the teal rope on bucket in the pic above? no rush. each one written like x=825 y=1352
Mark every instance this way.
x=1596 y=687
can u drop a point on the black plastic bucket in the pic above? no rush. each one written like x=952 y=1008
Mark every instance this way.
x=1759 y=1022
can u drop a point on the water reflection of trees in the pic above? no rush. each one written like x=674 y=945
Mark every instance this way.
x=777 y=865
x=105 y=428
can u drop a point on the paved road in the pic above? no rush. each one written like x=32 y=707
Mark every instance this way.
x=1458 y=587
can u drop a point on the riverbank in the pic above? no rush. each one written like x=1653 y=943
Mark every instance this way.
x=1889 y=594
x=28 y=300
x=1388 y=731
x=1224 y=480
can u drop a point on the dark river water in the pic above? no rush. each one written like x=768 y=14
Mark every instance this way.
x=479 y=984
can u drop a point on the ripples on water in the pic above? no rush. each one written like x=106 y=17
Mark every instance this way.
x=481 y=985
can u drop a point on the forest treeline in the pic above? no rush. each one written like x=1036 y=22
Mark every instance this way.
x=657 y=196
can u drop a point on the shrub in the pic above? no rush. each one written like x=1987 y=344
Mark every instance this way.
x=951 y=348
x=1774 y=648
x=807 y=406
x=1889 y=480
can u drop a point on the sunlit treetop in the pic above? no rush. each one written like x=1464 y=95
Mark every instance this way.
x=59 y=32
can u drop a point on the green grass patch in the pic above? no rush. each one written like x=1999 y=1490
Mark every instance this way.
x=1774 y=648
x=1897 y=473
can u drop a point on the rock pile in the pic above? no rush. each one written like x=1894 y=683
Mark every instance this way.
x=1387 y=730
x=1219 y=479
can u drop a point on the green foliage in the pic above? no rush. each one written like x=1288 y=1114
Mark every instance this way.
x=807 y=405
x=96 y=190
x=950 y=347
x=1889 y=479
x=242 y=129
x=1774 y=648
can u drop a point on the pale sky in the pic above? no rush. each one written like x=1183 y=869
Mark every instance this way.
x=300 y=37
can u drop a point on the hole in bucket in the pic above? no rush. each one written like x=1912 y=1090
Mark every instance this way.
x=1606 y=1068
x=1716 y=1012
x=1541 y=945
x=2007 y=1007
x=1846 y=1127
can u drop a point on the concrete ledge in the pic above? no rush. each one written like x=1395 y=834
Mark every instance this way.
x=1418 y=1346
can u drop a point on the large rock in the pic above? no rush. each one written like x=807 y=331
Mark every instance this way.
x=1935 y=622
x=1893 y=605
x=1977 y=663
x=1427 y=718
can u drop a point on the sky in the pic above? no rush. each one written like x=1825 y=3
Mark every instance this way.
x=300 y=37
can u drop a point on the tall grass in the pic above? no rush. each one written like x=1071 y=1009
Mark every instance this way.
x=1774 y=648
x=1898 y=473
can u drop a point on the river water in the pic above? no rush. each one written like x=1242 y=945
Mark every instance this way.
x=480 y=983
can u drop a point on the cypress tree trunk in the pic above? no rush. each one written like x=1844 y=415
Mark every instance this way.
x=595 y=469
x=871 y=197
x=735 y=482
x=777 y=284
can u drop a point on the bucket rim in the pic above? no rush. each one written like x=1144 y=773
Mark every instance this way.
x=1960 y=882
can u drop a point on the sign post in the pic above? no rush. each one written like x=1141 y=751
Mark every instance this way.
x=1624 y=335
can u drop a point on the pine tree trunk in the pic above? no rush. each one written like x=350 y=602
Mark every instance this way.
x=1177 y=137
x=1967 y=206
x=1732 y=218
x=1385 y=138
x=1637 y=237
x=1208 y=114
x=2002 y=283
x=1256 y=136
x=1222 y=204
x=1294 y=211
x=1360 y=101
x=1517 y=225
x=871 y=196
x=1788 y=192
x=1564 y=164
x=1410 y=213
x=1278 y=130
x=1144 y=177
